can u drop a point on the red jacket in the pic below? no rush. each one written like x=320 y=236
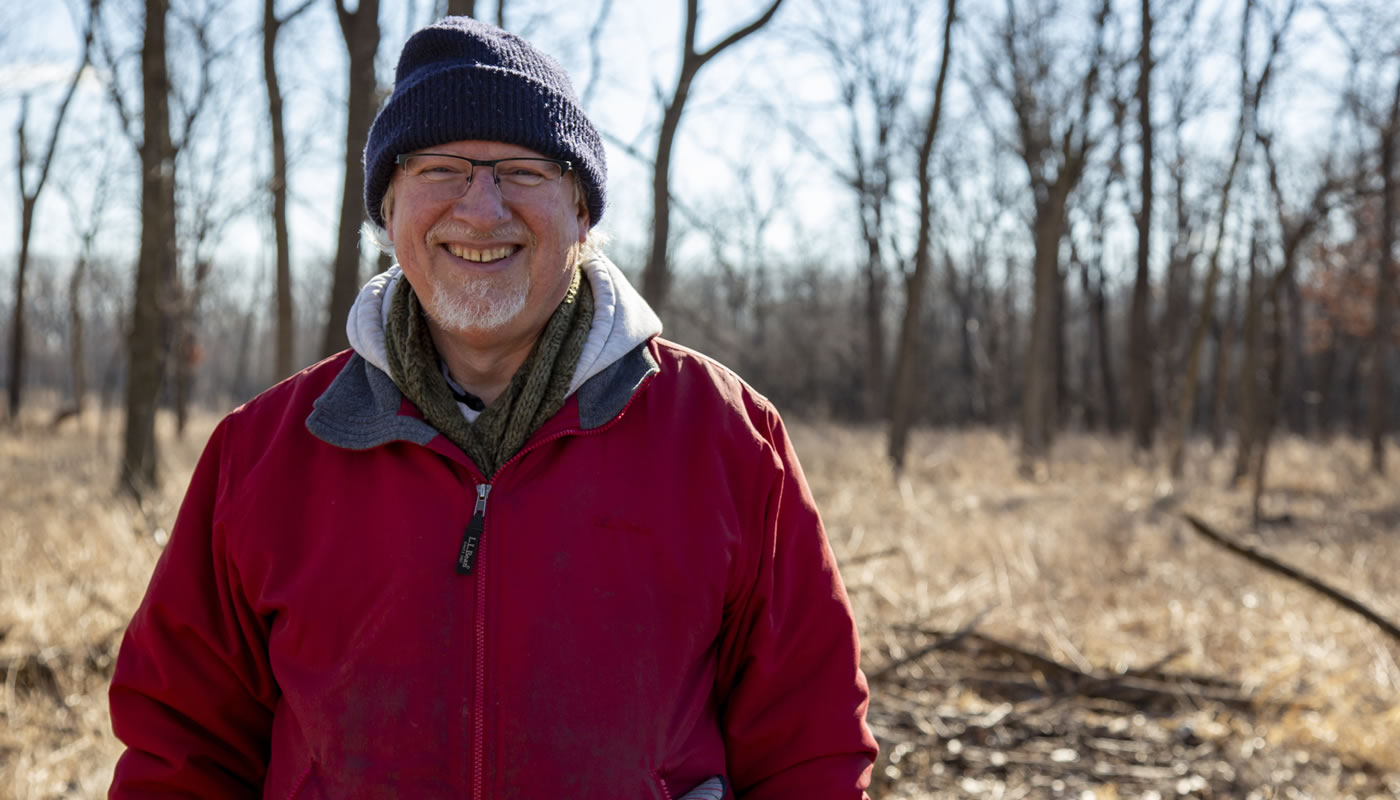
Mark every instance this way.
x=651 y=602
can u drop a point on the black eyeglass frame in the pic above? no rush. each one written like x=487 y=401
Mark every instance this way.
x=564 y=166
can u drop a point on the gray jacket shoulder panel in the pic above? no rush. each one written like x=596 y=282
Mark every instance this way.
x=360 y=410
x=606 y=394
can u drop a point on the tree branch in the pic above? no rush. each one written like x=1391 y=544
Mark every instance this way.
x=733 y=38
x=1273 y=565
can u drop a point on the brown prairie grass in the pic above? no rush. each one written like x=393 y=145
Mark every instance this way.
x=1090 y=566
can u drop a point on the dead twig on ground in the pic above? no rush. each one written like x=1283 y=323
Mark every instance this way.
x=942 y=642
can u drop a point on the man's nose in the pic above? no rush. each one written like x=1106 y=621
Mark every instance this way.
x=482 y=200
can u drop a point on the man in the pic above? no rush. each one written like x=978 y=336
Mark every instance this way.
x=513 y=545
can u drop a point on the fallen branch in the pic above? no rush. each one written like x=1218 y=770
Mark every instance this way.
x=1134 y=688
x=941 y=643
x=1270 y=563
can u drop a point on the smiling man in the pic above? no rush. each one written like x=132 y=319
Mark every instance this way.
x=513 y=544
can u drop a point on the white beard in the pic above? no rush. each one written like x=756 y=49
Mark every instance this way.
x=477 y=305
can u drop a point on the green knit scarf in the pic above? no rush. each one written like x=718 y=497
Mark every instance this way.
x=536 y=391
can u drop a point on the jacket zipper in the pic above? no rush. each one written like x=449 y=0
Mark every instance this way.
x=471 y=540
x=466 y=562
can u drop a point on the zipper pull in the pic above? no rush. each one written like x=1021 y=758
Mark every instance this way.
x=471 y=540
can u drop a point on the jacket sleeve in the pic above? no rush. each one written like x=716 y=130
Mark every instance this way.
x=192 y=695
x=793 y=696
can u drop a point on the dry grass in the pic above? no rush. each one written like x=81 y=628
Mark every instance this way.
x=74 y=561
x=1093 y=568
x=1090 y=567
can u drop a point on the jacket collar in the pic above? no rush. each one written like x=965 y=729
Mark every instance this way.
x=363 y=409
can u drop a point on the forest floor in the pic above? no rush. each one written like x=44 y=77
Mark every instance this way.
x=1067 y=637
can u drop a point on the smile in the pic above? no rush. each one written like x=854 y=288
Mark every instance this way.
x=481 y=256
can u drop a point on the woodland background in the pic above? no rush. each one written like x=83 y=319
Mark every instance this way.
x=1039 y=277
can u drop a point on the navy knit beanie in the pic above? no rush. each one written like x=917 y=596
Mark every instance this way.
x=461 y=79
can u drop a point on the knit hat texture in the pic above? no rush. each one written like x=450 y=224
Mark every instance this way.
x=459 y=79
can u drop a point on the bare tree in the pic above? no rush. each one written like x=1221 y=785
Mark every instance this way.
x=1186 y=102
x=1249 y=379
x=1386 y=287
x=157 y=261
x=656 y=278
x=29 y=200
x=1358 y=24
x=1251 y=94
x=1224 y=333
x=1140 y=330
x=1296 y=228
x=208 y=208
x=88 y=223
x=158 y=296
x=1098 y=386
x=1053 y=139
x=917 y=282
x=286 y=342
x=360 y=29
x=872 y=47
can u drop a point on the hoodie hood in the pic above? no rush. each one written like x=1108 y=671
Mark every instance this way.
x=622 y=320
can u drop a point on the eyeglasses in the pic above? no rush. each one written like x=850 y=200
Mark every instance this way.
x=442 y=177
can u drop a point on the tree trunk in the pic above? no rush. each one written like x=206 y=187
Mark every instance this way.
x=1060 y=415
x=1178 y=288
x=1326 y=412
x=1300 y=393
x=1089 y=389
x=656 y=277
x=157 y=264
x=1268 y=410
x=1224 y=342
x=1038 y=406
x=1248 y=412
x=76 y=345
x=1110 y=384
x=874 y=327
x=1385 y=291
x=17 y=348
x=461 y=8
x=185 y=344
x=1139 y=340
x=361 y=32
x=286 y=343
x=242 y=383
x=901 y=405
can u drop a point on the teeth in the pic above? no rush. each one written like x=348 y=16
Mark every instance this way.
x=468 y=254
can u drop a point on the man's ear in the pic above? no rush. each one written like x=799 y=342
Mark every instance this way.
x=386 y=211
x=581 y=209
